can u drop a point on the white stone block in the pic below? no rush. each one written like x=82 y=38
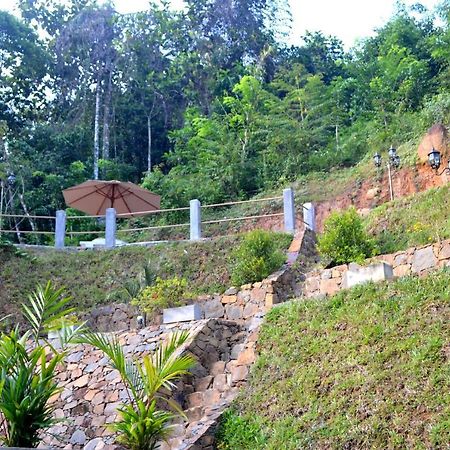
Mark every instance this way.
x=359 y=275
x=182 y=314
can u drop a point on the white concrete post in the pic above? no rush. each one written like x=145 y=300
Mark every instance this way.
x=289 y=210
x=110 y=230
x=60 y=229
x=195 y=220
x=309 y=216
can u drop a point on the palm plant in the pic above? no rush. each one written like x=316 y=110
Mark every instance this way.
x=148 y=382
x=130 y=289
x=28 y=364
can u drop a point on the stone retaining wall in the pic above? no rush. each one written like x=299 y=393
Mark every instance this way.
x=223 y=342
x=92 y=391
x=415 y=260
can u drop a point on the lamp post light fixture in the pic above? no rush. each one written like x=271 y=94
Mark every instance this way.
x=393 y=162
x=435 y=160
x=377 y=160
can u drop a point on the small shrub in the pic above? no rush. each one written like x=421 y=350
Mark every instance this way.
x=239 y=432
x=162 y=294
x=344 y=239
x=256 y=257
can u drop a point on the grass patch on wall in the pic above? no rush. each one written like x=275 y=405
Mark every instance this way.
x=367 y=368
x=419 y=219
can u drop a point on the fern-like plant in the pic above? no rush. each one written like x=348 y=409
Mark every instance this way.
x=149 y=382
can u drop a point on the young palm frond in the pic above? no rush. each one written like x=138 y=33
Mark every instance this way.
x=112 y=348
x=26 y=389
x=27 y=376
x=149 y=275
x=46 y=306
x=141 y=425
x=166 y=365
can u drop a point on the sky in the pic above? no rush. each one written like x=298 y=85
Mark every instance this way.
x=349 y=20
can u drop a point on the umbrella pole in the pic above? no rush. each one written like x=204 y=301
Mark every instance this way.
x=113 y=195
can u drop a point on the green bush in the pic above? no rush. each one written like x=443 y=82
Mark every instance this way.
x=257 y=257
x=345 y=239
x=162 y=294
x=239 y=432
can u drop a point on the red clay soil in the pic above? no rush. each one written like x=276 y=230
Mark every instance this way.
x=372 y=192
x=406 y=181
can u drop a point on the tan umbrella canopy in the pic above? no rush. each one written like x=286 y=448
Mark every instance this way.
x=94 y=197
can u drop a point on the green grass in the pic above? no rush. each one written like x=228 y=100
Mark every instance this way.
x=415 y=220
x=366 y=369
x=90 y=276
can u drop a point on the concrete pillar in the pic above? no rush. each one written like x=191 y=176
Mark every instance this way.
x=60 y=229
x=111 y=227
x=289 y=210
x=309 y=216
x=196 y=220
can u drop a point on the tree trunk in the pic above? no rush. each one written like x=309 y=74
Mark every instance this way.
x=107 y=119
x=97 y=129
x=149 y=154
x=2 y=190
x=337 y=136
x=11 y=205
x=25 y=209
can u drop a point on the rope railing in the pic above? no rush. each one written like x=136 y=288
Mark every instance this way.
x=159 y=227
x=158 y=211
x=194 y=226
x=235 y=219
x=27 y=232
x=240 y=202
x=18 y=216
x=84 y=217
x=86 y=232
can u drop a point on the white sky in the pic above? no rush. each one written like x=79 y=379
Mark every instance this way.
x=349 y=20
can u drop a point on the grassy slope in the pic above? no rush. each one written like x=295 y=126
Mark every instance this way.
x=366 y=369
x=415 y=220
x=90 y=276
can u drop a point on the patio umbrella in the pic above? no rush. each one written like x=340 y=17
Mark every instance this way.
x=94 y=197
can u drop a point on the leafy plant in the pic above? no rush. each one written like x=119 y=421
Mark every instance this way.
x=27 y=374
x=163 y=294
x=256 y=257
x=149 y=382
x=344 y=239
x=130 y=289
x=8 y=247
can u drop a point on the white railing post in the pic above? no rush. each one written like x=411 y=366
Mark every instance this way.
x=110 y=228
x=195 y=220
x=60 y=229
x=289 y=210
x=309 y=216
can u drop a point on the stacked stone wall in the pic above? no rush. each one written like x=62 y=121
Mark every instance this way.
x=415 y=260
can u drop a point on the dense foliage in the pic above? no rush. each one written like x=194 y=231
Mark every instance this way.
x=258 y=256
x=208 y=102
x=367 y=368
x=344 y=239
x=164 y=293
x=28 y=372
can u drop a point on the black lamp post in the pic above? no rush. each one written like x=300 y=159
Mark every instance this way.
x=435 y=160
x=394 y=161
x=377 y=160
